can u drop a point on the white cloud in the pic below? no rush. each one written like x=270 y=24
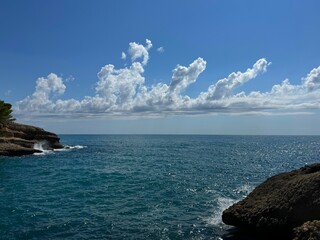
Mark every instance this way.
x=118 y=86
x=51 y=84
x=123 y=56
x=160 y=49
x=162 y=97
x=123 y=92
x=40 y=100
x=312 y=81
x=184 y=76
x=283 y=89
x=70 y=78
x=137 y=51
x=224 y=87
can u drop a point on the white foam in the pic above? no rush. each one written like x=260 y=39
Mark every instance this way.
x=41 y=146
x=244 y=190
x=76 y=147
x=44 y=152
x=222 y=204
x=68 y=148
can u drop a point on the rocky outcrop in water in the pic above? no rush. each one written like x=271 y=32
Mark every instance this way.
x=280 y=204
x=19 y=139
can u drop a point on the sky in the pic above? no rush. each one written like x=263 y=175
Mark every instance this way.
x=162 y=67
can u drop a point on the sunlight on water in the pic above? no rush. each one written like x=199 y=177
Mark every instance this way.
x=139 y=187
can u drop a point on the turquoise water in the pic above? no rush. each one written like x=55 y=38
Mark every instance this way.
x=140 y=186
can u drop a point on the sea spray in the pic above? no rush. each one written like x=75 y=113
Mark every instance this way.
x=223 y=203
x=68 y=148
x=41 y=146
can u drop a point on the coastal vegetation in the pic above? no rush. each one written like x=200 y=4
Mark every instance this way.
x=5 y=112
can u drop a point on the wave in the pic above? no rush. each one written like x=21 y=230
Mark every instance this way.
x=244 y=190
x=67 y=148
x=44 y=152
x=43 y=145
x=224 y=202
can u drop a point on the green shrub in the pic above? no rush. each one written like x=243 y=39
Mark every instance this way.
x=5 y=112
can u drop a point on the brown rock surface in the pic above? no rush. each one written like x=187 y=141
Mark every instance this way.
x=19 y=139
x=281 y=203
x=308 y=231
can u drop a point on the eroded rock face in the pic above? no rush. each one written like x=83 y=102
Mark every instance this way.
x=308 y=231
x=19 y=139
x=280 y=204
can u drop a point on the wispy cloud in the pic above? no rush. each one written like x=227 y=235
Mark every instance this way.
x=123 y=56
x=122 y=92
x=8 y=92
x=160 y=49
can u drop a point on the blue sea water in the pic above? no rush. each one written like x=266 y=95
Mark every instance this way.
x=140 y=186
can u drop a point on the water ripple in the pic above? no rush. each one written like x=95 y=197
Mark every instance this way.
x=140 y=187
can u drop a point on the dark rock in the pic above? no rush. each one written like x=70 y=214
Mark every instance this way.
x=308 y=231
x=280 y=204
x=19 y=139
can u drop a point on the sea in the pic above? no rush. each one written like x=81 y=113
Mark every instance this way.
x=140 y=186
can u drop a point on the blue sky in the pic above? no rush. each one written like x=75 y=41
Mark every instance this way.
x=200 y=67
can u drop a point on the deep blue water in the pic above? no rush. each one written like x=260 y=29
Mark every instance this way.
x=140 y=186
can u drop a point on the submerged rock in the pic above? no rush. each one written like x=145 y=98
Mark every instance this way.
x=281 y=203
x=19 y=139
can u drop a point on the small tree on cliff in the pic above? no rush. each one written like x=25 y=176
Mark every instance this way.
x=5 y=112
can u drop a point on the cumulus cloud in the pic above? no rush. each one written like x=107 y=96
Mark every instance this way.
x=137 y=51
x=312 y=81
x=118 y=86
x=123 y=92
x=184 y=76
x=224 y=87
x=163 y=97
x=40 y=100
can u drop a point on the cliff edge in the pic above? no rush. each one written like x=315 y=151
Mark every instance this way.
x=19 y=139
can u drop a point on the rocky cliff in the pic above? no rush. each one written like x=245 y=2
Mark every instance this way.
x=19 y=139
x=281 y=204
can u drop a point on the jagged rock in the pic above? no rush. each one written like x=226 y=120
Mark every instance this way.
x=281 y=203
x=19 y=139
x=308 y=231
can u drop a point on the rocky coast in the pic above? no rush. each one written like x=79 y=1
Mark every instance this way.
x=19 y=139
x=285 y=206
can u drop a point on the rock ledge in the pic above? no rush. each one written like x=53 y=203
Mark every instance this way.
x=19 y=139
